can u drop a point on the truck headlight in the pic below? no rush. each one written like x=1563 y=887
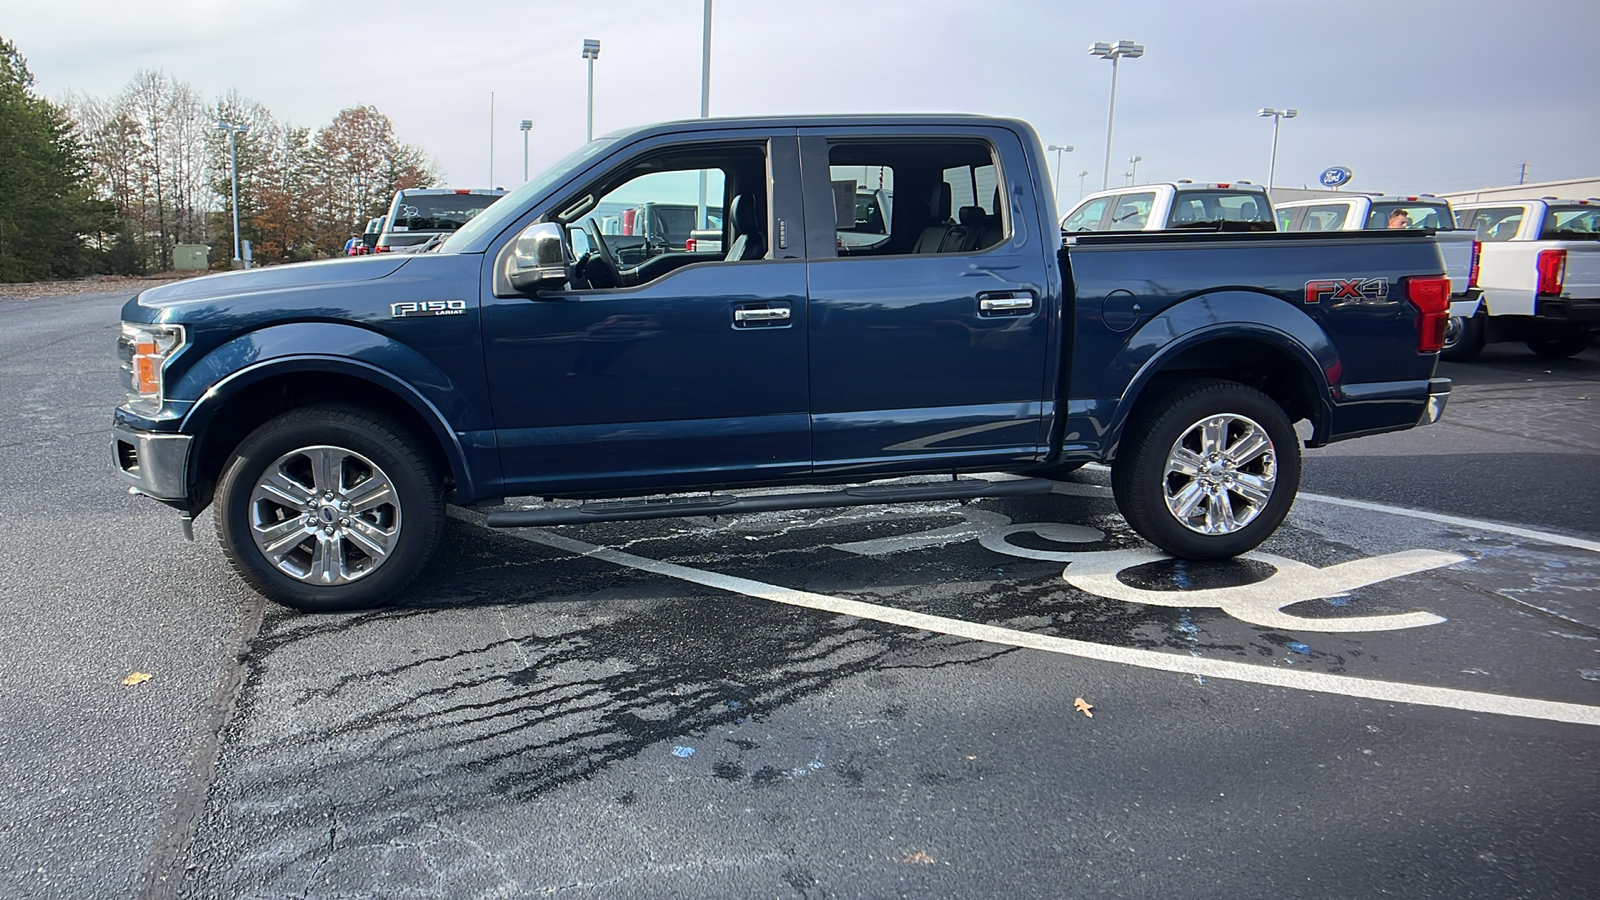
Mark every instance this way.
x=145 y=350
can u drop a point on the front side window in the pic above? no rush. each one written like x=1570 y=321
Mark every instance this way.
x=647 y=219
x=1086 y=217
x=1132 y=211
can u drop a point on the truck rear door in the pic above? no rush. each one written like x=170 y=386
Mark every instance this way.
x=931 y=346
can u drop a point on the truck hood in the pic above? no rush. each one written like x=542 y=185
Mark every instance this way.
x=275 y=278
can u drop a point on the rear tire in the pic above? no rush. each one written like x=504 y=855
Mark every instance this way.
x=329 y=508
x=1560 y=345
x=1207 y=469
x=1463 y=337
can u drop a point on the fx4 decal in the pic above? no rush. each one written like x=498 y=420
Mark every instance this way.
x=1352 y=290
x=411 y=309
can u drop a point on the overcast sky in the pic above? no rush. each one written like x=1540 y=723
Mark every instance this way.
x=1413 y=95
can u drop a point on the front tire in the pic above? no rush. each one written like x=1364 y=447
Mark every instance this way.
x=329 y=508
x=1207 y=469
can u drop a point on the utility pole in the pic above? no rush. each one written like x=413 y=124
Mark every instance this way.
x=705 y=104
x=1522 y=175
x=233 y=155
x=591 y=52
x=491 y=139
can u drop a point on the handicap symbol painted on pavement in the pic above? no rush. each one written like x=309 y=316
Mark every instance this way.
x=1261 y=603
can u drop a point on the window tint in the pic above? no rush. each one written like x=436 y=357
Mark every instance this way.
x=914 y=196
x=1131 y=211
x=1086 y=217
x=1284 y=216
x=1325 y=217
x=648 y=215
x=1496 y=223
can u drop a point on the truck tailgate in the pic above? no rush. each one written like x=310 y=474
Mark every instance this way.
x=1583 y=270
x=1456 y=247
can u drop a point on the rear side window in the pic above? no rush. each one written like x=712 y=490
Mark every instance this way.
x=1498 y=223
x=1571 y=223
x=1325 y=217
x=1409 y=215
x=915 y=196
x=1086 y=217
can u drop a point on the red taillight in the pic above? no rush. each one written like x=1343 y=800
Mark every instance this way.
x=1552 y=271
x=1224 y=185
x=689 y=245
x=1477 y=250
x=1430 y=294
x=380 y=249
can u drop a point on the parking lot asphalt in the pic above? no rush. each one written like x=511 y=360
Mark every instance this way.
x=1397 y=695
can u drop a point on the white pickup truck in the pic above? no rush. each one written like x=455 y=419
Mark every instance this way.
x=1540 y=274
x=1362 y=212
x=1235 y=206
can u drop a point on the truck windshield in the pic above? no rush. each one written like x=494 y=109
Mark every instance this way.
x=498 y=217
x=1571 y=223
x=437 y=212
x=1409 y=214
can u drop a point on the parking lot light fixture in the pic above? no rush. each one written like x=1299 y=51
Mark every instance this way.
x=527 y=126
x=1278 y=115
x=233 y=131
x=1113 y=52
x=591 y=52
x=1134 y=162
x=1059 y=149
x=1081 y=176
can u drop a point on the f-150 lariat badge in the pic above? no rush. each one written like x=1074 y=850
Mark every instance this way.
x=414 y=308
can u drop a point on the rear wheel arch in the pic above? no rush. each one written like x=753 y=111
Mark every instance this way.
x=1265 y=360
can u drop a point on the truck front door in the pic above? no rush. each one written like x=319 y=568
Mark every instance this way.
x=661 y=368
x=929 y=347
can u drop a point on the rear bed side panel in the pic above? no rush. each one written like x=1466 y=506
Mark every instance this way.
x=1142 y=299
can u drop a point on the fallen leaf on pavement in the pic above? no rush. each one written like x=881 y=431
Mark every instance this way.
x=137 y=678
x=1083 y=706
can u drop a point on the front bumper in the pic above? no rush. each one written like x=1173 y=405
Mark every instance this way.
x=156 y=464
x=1438 y=396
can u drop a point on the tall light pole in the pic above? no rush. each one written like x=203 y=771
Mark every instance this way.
x=491 y=139
x=1059 y=149
x=705 y=104
x=1081 y=176
x=527 y=125
x=233 y=155
x=591 y=52
x=1278 y=115
x=1134 y=161
x=1113 y=52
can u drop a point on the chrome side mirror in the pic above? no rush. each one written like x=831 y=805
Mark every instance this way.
x=538 y=259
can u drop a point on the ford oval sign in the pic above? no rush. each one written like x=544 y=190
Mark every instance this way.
x=1334 y=176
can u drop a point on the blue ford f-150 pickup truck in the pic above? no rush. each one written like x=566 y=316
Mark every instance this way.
x=330 y=410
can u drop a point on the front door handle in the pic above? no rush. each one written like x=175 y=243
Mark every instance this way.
x=1005 y=303
x=769 y=314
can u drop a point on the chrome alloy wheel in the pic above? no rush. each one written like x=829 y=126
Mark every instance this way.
x=1220 y=474
x=324 y=515
x=1454 y=327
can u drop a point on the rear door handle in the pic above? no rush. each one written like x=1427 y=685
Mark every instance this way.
x=1005 y=303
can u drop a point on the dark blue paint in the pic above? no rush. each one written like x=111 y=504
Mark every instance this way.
x=885 y=367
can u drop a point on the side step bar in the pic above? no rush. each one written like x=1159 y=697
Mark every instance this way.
x=730 y=504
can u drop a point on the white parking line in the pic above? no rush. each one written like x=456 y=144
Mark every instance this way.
x=1544 y=537
x=1371 y=689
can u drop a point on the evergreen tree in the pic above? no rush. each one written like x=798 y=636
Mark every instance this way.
x=48 y=216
